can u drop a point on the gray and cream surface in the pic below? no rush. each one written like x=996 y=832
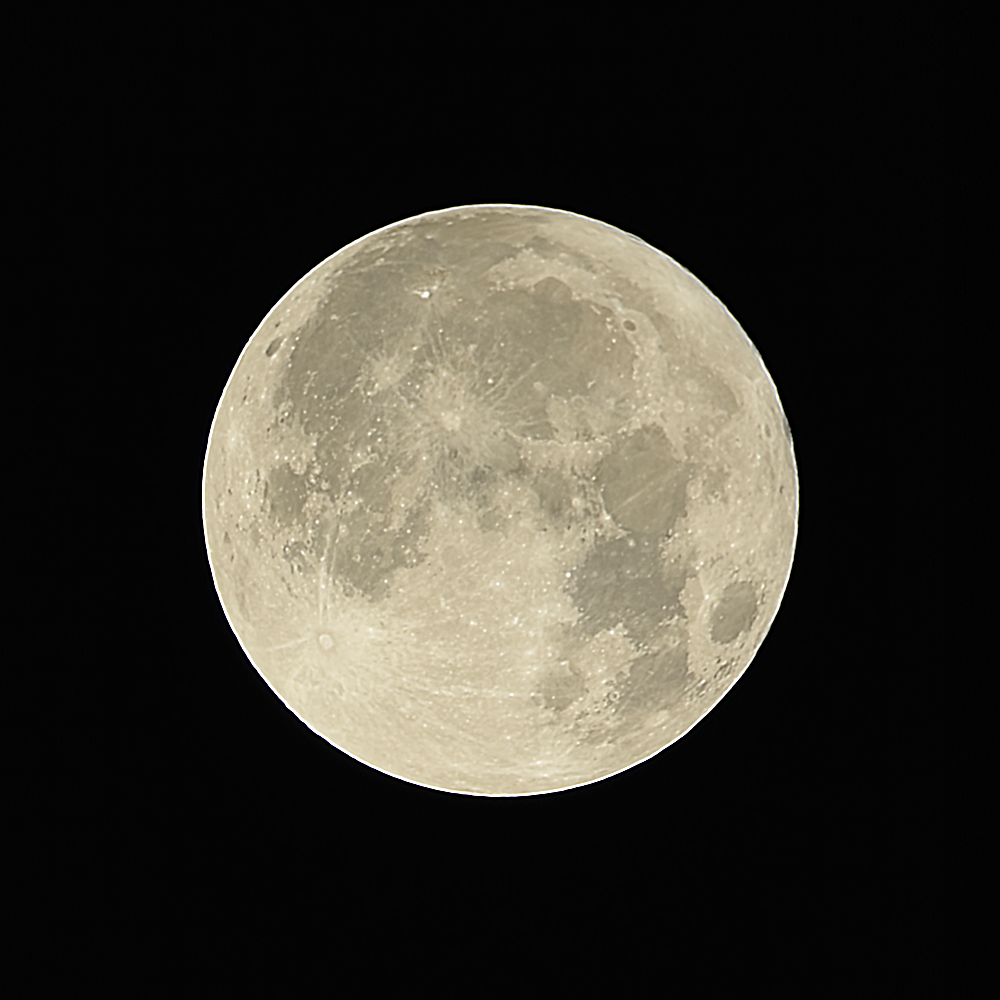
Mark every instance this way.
x=500 y=500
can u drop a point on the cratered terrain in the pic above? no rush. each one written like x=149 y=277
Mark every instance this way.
x=500 y=500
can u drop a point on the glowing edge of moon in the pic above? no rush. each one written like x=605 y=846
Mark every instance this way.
x=604 y=225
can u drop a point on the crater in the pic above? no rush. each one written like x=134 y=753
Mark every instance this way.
x=735 y=612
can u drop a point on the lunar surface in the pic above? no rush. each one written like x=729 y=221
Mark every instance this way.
x=500 y=500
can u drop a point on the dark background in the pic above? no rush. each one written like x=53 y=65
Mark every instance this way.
x=823 y=170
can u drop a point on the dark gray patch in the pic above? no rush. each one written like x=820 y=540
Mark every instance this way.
x=241 y=600
x=491 y=520
x=671 y=339
x=365 y=559
x=273 y=346
x=560 y=688
x=373 y=483
x=629 y=325
x=356 y=426
x=406 y=545
x=643 y=485
x=480 y=487
x=330 y=349
x=538 y=344
x=287 y=494
x=735 y=611
x=625 y=581
x=369 y=552
x=655 y=681
x=333 y=453
x=458 y=480
x=712 y=388
x=529 y=345
x=499 y=454
x=555 y=494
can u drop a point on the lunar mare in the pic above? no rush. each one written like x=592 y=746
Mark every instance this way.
x=500 y=500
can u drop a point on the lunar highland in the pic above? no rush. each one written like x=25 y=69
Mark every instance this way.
x=500 y=500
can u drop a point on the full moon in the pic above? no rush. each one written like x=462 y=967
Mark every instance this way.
x=500 y=500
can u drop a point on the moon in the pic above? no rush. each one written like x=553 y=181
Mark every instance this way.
x=500 y=500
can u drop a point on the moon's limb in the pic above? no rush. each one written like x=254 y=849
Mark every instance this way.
x=500 y=500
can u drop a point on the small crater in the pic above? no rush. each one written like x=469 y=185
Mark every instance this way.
x=273 y=346
x=629 y=325
x=326 y=641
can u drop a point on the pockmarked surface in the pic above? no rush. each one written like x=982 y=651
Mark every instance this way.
x=500 y=500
